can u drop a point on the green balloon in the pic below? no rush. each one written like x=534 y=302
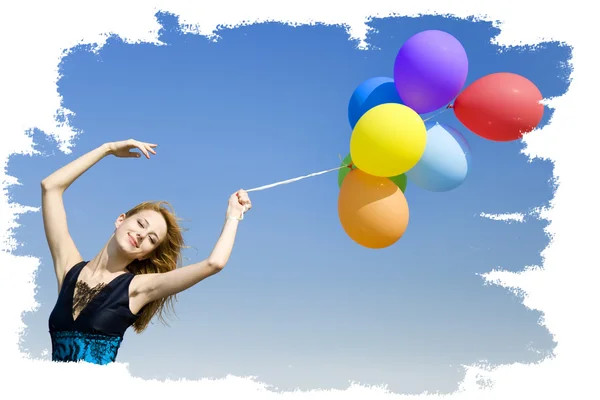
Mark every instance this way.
x=400 y=180
x=344 y=171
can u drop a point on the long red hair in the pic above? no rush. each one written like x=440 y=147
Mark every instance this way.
x=166 y=257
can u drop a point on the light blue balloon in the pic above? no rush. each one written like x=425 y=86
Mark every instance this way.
x=445 y=163
x=370 y=94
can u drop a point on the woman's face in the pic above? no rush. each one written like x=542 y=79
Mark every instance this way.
x=141 y=233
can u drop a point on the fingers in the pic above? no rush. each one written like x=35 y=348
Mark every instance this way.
x=135 y=143
x=142 y=147
x=145 y=148
x=244 y=199
x=149 y=149
x=125 y=149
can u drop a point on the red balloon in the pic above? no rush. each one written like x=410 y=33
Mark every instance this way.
x=501 y=107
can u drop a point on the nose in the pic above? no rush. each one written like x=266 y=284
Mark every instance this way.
x=141 y=236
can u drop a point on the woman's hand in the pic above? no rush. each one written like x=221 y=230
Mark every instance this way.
x=239 y=203
x=124 y=147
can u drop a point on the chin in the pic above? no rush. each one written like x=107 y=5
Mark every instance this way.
x=124 y=245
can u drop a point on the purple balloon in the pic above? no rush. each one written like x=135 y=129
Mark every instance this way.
x=430 y=70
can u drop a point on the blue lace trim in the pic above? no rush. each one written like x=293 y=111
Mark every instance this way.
x=79 y=346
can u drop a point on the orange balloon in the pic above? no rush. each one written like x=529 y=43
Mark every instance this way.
x=372 y=210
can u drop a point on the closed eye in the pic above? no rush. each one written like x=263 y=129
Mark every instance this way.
x=153 y=239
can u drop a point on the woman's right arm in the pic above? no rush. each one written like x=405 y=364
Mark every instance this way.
x=62 y=248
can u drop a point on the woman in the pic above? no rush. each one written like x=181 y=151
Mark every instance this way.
x=133 y=277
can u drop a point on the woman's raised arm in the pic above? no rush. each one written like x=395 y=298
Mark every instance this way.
x=151 y=287
x=62 y=247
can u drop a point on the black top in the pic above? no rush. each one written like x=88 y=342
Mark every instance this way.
x=97 y=332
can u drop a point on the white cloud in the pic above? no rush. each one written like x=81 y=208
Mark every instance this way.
x=514 y=217
x=35 y=37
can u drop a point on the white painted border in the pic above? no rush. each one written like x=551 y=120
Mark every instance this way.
x=35 y=35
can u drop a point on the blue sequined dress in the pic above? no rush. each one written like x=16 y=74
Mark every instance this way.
x=96 y=334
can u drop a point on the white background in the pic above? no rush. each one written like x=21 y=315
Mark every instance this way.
x=34 y=36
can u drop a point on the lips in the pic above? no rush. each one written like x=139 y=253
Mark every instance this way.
x=132 y=241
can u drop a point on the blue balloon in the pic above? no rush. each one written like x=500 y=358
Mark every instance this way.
x=445 y=163
x=369 y=94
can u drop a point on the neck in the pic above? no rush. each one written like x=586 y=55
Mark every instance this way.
x=108 y=260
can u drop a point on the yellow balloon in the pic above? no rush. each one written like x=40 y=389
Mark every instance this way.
x=388 y=140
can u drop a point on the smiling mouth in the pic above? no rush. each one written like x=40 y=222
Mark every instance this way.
x=132 y=241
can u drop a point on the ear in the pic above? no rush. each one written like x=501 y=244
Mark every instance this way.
x=120 y=220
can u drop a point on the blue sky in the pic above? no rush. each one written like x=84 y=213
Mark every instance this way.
x=299 y=304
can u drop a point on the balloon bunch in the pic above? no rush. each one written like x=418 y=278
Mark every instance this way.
x=391 y=144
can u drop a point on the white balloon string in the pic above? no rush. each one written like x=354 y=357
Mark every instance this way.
x=256 y=189
x=438 y=113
